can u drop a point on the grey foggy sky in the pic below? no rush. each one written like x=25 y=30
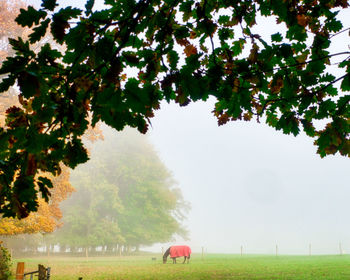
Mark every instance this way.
x=250 y=185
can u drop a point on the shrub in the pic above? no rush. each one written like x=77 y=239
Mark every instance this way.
x=5 y=263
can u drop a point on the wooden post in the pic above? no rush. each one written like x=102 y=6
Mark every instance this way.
x=20 y=271
x=42 y=272
x=310 y=249
x=48 y=273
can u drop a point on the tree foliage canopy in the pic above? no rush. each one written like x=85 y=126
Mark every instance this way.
x=125 y=197
x=122 y=61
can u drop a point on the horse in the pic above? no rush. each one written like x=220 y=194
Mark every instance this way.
x=177 y=251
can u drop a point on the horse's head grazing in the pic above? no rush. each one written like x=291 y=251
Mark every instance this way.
x=166 y=254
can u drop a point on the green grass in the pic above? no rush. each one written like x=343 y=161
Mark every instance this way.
x=211 y=267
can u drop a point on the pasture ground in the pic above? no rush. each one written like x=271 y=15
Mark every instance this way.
x=212 y=266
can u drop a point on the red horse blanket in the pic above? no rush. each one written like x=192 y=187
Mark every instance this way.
x=179 y=251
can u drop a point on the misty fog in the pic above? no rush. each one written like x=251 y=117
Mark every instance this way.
x=250 y=186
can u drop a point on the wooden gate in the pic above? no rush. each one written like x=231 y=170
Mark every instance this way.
x=42 y=273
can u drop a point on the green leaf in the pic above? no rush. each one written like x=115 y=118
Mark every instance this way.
x=288 y=123
x=224 y=19
x=46 y=53
x=285 y=50
x=75 y=153
x=225 y=33
x=13 y=65
x=186 y=8
x=88 y=6
x=237 y=47
x=173 y=59
x=30 y=16
x=326 y=108
x=334 y=25
x=7 y=83
x=60 y=23
x=49 y=4
x=45 y=184
x=277 y=37
x=327 y=78
x=343 y=105
x=27 y=194
x=345 y=84
x=58 y=28
x=331 y=90
x=344 y=63
x=19 y=45
x=28 y=83
x=181 y=32
x=131 y=58
x=308 y=128
x=296 y=32
x=39 y=31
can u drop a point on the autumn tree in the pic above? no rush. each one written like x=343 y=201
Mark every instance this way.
x=176 y=50
x=46 y=219
x=9 y=10
x=125 y=197
x=48 y=216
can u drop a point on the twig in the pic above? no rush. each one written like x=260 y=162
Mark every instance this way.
x=346 y=29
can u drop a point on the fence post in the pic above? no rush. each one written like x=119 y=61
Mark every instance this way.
x=310 y=249
x=48 y=274
x=20 y=271
x=42 y=272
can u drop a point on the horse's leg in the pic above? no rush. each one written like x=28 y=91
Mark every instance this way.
x=184 y=259
x=188 y=258
x=174 y=260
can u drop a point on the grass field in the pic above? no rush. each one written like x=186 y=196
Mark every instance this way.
x=211 y=267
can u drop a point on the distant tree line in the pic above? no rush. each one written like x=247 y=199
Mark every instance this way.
x=125 y=198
